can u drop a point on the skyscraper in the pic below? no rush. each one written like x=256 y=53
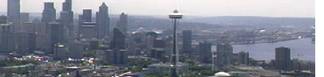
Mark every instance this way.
x=122 y=24
x=57 y=34
x=49 y=12
x=244 y=58
x=118 y=40
x=283 y=58
x=66 y=17
x=187 y=41
x=25 y=42
x=13 y=11
x=118 y=53
x=224 y=55
x=87 y=28
x=103 y=21
x=48 y=16
x=205 y=52
x=7 y=43
x=86 y=16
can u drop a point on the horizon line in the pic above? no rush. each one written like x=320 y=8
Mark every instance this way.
x=4 y=13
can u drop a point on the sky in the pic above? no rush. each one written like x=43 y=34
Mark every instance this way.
x=268 y=8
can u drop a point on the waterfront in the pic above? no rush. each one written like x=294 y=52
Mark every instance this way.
x=302 y=49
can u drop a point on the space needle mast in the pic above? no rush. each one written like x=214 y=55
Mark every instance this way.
x=175 y=54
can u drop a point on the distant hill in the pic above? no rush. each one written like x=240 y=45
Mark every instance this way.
x=163 y=23
x=254 y=20
x=219 y=21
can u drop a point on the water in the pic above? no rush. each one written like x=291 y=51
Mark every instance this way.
x=302 y=49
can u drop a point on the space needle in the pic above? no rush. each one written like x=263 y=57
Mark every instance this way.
x=175 y=16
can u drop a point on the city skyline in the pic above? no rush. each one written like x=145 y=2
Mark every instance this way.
x=268 y=8
x=93 y=42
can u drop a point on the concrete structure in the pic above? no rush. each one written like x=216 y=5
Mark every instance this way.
x=187 y=41
x=87 y=30
x=116 y=57
x=86 y=16
x=122 y=24
x=174 y=56
x=3 y=19
x=7 y=42
x=57 y=35
x=103 y=22
x=243 y=58
x=25 y=42
x=205 y=52
x=224 y=55
x=49 y=12
x=118 y=40
x=13 y=11
x=283 y=59
x=66 y=18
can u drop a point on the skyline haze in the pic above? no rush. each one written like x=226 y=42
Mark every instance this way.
x=267 y=8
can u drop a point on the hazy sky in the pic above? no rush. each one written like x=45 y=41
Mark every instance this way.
x=273 y=8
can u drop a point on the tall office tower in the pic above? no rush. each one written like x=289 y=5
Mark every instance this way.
x=86 y=16
x=118 y=52
x=13 y=11
x=205 y=52
x=49 y=12
x=187 y=41
x=283 y=59
x=122 y=24
x=118 y=40
x=66 y=17
x=103 y=21
x=57 y=34
x=3 y=19
x=44 y=28
x=87 y=28
x=7 y=43
x=26 y=38
x=25 y=42
x=243 y=58
x=224 y=55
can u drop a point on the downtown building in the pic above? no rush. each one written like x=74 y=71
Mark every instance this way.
x=3 y=19
x=66 y=19
x=224 y=56
x=283 y=59
x=43 y=27
x=8 y=26
x=205 y=52
x=7 y=42
x=117 y=54
x=13 y=11
x=187 y=42
x=57 y=40
x=87 y=28
x=49 y=13
x=103 y=22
